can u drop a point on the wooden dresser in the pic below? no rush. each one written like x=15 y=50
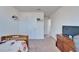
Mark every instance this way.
x=64 y=43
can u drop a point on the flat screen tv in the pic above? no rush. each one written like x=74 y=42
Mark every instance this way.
x=70 y=30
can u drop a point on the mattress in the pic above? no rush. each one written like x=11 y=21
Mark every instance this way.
x=13 y=46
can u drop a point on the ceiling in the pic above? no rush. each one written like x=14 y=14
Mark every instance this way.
x=48 y=10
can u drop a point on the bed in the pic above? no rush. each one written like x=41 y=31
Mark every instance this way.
x=76 y=41
x=72 y=33
x=14 y=43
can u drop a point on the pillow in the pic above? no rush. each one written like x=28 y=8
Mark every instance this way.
x=70 y=36
x=76 y=37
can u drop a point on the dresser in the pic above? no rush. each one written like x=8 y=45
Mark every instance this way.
x=64 y=43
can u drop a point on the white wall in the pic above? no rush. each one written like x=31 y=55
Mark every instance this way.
x=7 y=24
x=26 y=24
x=64 y=16
x=30 y=26
x=47 y=25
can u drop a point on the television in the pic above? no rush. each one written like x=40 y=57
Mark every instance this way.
x=70 y=30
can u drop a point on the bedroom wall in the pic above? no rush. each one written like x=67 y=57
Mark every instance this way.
x=26 y=24
x=64 y=16
x=30 y=26
x=47 y=25
x=7 y=24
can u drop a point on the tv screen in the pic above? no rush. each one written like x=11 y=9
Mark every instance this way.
x=70 y=30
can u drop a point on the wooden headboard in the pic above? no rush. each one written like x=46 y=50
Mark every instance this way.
x=64 y=43
x=21 y=37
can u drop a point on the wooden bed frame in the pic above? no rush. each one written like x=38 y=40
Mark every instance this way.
x=21 y=37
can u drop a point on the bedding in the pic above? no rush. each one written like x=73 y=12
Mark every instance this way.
x=13 y=46
x=76 y=41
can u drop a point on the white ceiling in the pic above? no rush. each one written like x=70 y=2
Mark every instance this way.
x=48 y=10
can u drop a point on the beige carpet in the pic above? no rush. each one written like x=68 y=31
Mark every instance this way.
x=43 y=45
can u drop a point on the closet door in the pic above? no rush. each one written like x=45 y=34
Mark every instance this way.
x=32 y=27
